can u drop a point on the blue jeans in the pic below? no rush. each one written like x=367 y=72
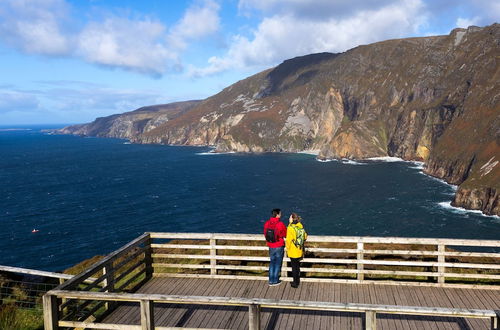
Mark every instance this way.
x=276 y=255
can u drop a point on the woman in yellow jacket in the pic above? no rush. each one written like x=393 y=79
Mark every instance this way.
x=295 y=238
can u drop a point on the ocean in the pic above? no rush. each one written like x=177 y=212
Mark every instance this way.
x=89 y=196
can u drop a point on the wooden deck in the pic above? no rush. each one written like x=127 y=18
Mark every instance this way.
x=213 y=317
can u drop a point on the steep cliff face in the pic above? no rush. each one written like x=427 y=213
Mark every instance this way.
x=130 y=124
x=434 y=99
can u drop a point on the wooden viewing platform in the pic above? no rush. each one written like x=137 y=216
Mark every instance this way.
x=219 y=281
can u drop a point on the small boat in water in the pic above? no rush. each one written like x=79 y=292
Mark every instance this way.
x=35 y=231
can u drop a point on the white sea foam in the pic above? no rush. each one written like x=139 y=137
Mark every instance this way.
x=127 y=142
x=309 y=152
x=418 y=165
x=213 y=152
x=461 y=210
x=326 y=160
x=352 y=162
x=454 y=187
x=386 y=159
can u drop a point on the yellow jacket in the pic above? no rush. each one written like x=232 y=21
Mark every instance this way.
x=292 y=250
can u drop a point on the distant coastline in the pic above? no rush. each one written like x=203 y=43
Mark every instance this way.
x=14 y=129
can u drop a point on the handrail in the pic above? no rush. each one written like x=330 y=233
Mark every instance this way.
x=100 y=264
x=19 y=270
x=338 y=239
x=27 y=271
x=255 y=304
x=434 y=260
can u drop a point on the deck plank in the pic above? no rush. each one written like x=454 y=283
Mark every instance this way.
x=172 y=315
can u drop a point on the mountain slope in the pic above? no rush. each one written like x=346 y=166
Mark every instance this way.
x=434 y=99
x=130 y=124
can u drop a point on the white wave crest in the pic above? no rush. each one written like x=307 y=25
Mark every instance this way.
x=461 y=210
x=310 y=152
x=351 y=162
x=386 y=159
x=417 y=165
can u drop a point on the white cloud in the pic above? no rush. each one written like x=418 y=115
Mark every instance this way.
x=136 y=45
x=283 y=36
x=142 y=44
x=34 y=26
x=198 y=21
x=12 y=100
x=72 y=101
x=466 y=22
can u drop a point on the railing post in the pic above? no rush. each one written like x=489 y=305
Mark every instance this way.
x=63 y=300
x=50 y=312
x=441 y=260
x=254 y=317
x=359 y=257
x=147 y=315
x=370 y=320
x=148 y=259
x=213 y=254
x=109 y=282
x=494 y=321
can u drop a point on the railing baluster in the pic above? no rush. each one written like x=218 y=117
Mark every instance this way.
x=441 y=259
x=360 y=257
x=494 y=321
x=147 y=315
x=148 y=259
x=213 y=254
x=50 y=312
x=370 y=320
x=254 y=317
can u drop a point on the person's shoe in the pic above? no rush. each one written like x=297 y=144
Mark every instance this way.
x=293 y=285
x=275 y=284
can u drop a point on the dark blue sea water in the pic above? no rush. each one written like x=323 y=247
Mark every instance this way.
x=89 y=196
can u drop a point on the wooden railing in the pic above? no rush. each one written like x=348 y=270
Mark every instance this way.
x=87 y=298
x=124 y=270
x=146 y=302
x=421 y=261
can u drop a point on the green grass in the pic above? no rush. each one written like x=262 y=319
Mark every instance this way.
x=15 y=318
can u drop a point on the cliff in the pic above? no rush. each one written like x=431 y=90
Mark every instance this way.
x=434 y=99
x=130 y=124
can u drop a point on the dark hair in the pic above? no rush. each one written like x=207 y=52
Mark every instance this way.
x=275 y=212
x=296 y=217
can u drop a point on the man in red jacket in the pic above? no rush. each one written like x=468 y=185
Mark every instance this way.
x=275 y=232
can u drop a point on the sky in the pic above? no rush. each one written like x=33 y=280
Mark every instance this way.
x=70 y=61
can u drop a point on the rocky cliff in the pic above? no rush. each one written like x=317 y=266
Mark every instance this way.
x=434 y=99
x=128 y=125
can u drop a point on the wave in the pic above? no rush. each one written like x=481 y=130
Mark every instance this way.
x=417 y=165
x=127 y=142
x=387 y=159
x=461 y=210
x=352 y=162
x=310 y=152
x=326 y=160
x=213 y=152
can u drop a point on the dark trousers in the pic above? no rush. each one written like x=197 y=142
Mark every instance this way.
x=295 y=270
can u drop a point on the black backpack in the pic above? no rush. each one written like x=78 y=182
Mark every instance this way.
x=271 y=234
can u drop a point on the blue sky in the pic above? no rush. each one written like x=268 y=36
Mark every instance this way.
x=70 y=61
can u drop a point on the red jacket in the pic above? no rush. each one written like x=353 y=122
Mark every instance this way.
x=280 y=229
